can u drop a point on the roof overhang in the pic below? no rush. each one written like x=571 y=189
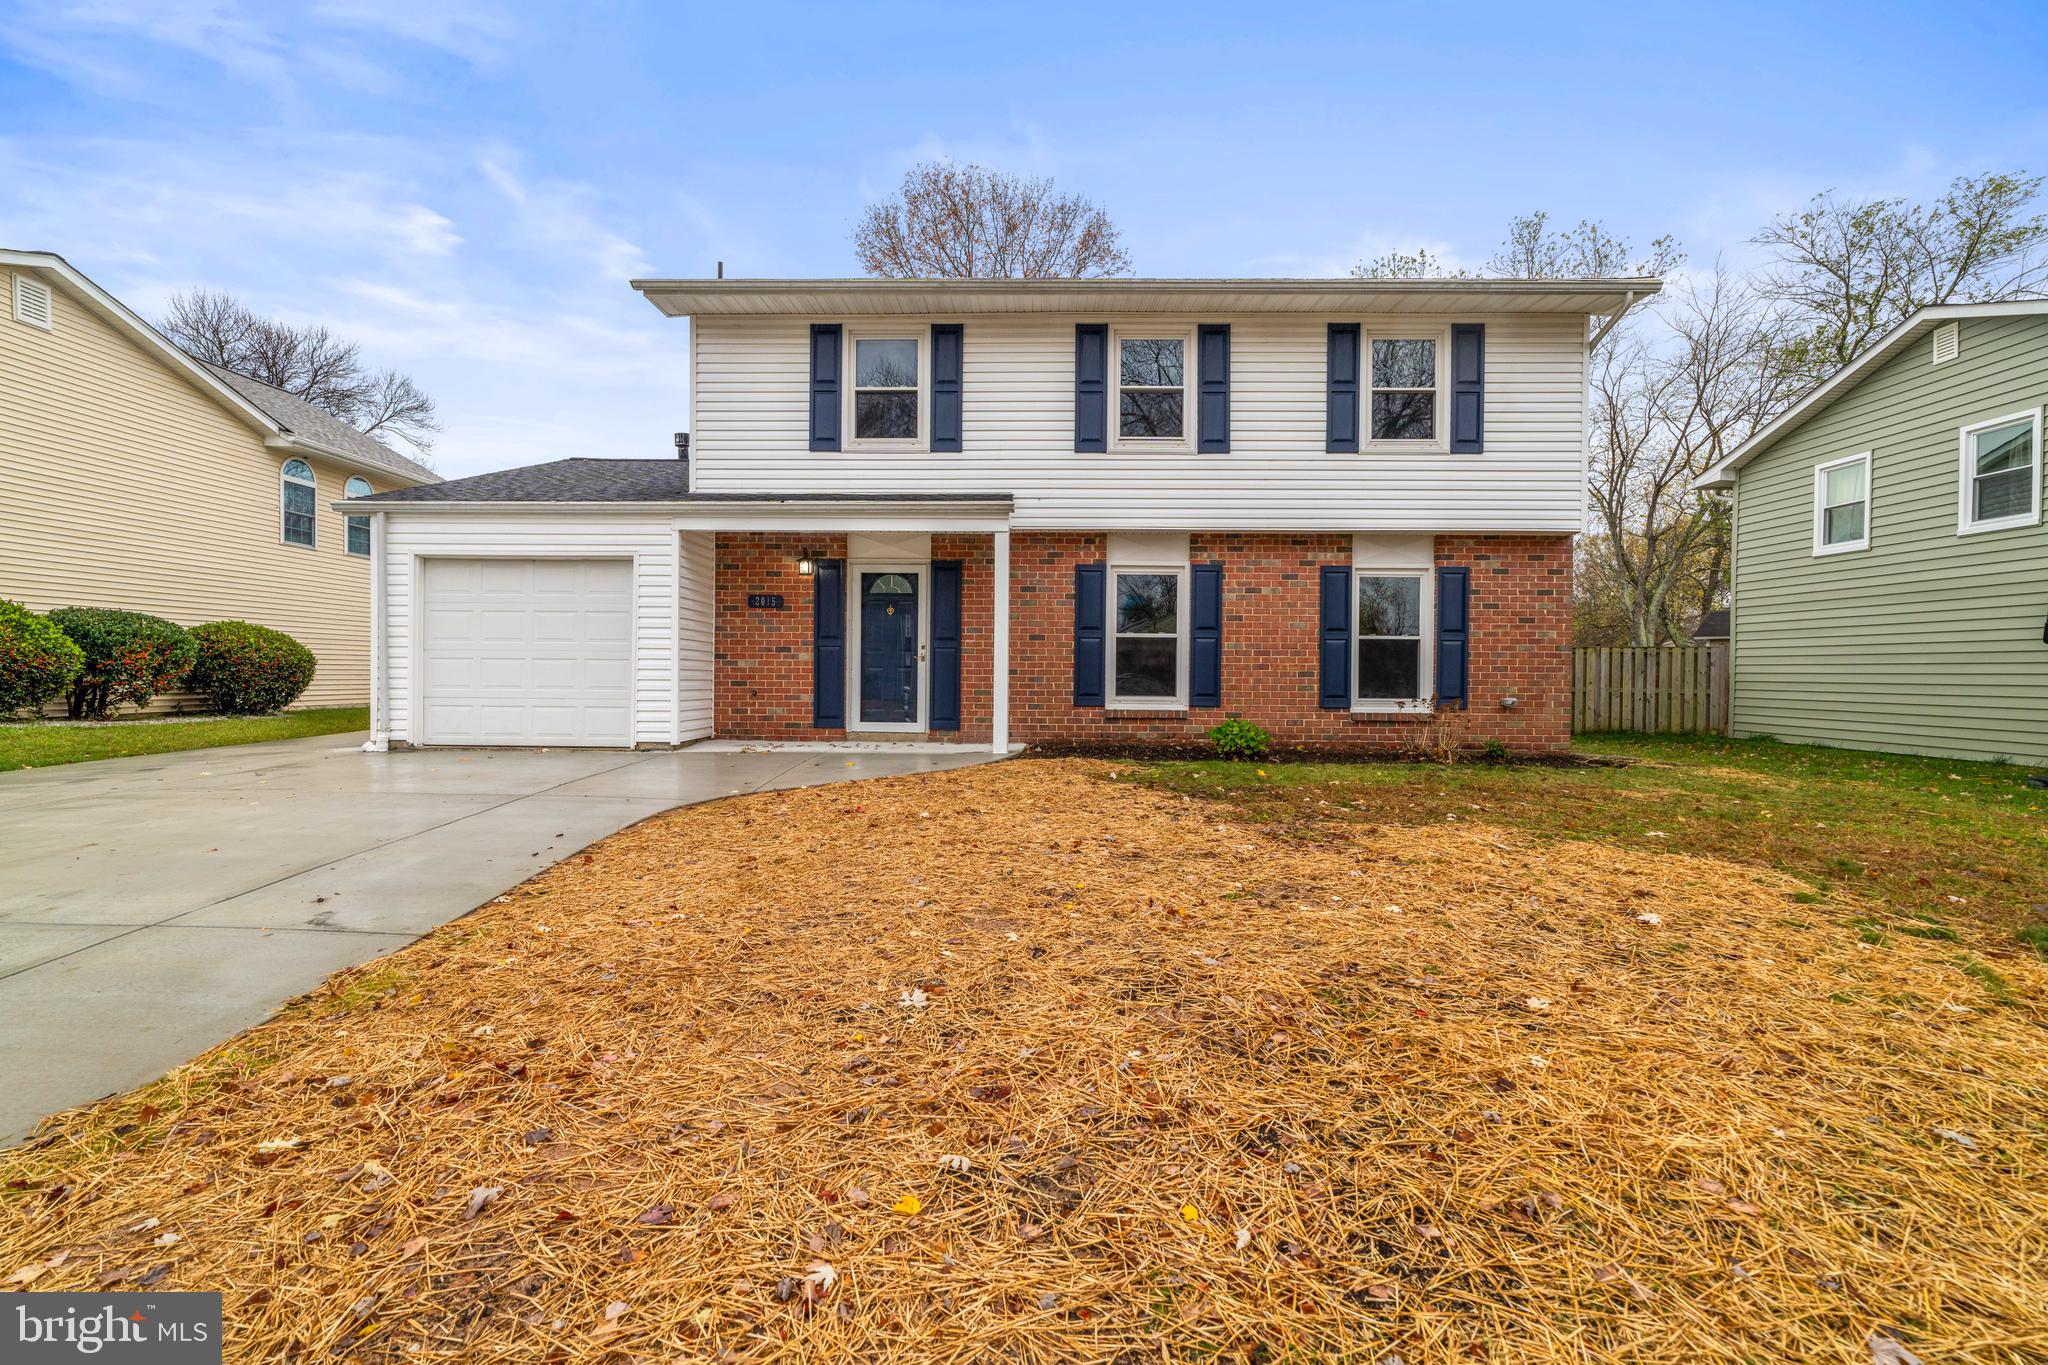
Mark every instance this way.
x=867 y=297
x=726 y=513
x=1722 y=475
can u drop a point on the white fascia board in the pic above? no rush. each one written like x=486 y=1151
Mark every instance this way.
x=127 y=322
x=1723 y=474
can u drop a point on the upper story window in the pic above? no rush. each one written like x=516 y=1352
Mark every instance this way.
x=1152 y=387
x=2001 y=473
x=1148 y=656
x=1841 y=505
x=358 y=527
x=887 y=393
x=1393 y=639
x=298 y=495
x=1406 y=375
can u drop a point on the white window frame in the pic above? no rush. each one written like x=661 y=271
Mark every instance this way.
x=1179 y=700
x=1118 y=334
x=1966 y=467
x=286 y=479
x=1425 y=673
x=348 y=490
x=1820 y=507
x=919 y=335
x=1441 y=335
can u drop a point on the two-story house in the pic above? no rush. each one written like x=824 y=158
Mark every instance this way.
x=1045 y=511
x=133 y=476
x=1890 y=563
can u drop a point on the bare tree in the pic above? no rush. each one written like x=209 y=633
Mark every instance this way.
x=1586 y=252
x=968 y=222
x=1418 y=264
x=1661 y=413
x=307 y=361
x=1850 y=270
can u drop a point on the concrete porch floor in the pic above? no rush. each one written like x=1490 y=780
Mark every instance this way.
x=152 y=907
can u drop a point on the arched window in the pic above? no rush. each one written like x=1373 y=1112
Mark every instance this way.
x=358 y=527
x=298 y=497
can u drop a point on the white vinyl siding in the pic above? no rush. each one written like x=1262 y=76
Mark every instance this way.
x=651 y=543
x=750 y=432
x=696 y=644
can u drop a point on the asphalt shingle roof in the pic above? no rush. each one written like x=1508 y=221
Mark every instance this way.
x=320 y=428
x=605 y=480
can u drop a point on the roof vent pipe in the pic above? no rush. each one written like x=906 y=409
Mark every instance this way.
x=721 y=270
x=682 y=445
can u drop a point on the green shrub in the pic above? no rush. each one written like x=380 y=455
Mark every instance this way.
x=249 y=669
x=1240 y=741
x=129 y=657
x=37 y=659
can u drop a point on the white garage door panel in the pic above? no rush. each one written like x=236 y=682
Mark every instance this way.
x=527 y=651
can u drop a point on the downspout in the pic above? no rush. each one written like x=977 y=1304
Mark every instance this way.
x=1628 y=301
x=380 y=700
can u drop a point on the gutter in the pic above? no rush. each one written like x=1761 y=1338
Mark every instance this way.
x=1628 y=301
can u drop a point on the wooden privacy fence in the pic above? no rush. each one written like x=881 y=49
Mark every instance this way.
x=1669 y=689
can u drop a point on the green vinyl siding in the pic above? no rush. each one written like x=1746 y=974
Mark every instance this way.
x=1929 y=641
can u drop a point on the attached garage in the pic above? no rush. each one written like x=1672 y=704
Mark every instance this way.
x=526 y=651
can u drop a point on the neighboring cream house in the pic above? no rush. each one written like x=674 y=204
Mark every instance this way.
x=134 y=476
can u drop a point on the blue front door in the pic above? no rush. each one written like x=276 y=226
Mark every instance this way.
x=888 y=648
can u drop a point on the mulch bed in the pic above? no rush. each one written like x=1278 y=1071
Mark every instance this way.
x=1020 y=1063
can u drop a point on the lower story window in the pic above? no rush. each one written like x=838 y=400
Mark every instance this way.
x=1393 y=634
x=1147 y=662
x=358 y=527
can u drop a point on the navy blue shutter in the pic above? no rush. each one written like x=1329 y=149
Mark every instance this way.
x=1453 y=634
x=1334 y=638
x=825 y=386
x=1468 y=387
x=1091 y=387
x=1212 y=419
x=1205 y=642
x=945 y=676
x=1341 y=424
x=828 y=645
x=946 y=343
x=1091 y=597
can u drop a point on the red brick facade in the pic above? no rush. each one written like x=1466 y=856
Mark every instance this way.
x=1520 y=643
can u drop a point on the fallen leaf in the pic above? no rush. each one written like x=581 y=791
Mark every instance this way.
x=412 y=1248
x=1537 y=1003
x=169 y=1239
x=909 y=1204
x=1888 y=1350
x=913 y=999
x=660 y=1214
x=1962 y=1139
x=958 y=1164
x=1244 y=1238
x=479 y=1198
x=1743 y=1206
x=1190 y=1214
x=820 y=1276
x=283 y=1144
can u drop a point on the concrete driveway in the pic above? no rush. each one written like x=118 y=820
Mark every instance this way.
x=152 y=907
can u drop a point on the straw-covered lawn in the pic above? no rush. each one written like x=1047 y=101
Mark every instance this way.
x=1022 y=1062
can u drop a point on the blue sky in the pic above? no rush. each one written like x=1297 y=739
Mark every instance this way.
x=466 y=187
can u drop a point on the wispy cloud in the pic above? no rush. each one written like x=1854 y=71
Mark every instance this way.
x=559 y=215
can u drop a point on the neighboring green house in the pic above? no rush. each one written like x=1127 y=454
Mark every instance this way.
x=1890 y=563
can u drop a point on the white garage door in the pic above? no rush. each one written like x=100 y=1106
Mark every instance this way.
x=527 y=651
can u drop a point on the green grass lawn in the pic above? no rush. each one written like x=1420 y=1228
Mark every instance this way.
x=1937 y=849
x=45 y=746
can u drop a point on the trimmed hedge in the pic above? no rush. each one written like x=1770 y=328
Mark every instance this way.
x=129 y=657
x=37 y=659
x=249 y=669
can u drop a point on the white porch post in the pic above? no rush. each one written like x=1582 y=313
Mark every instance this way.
x=1001 y=705
x=380 y=699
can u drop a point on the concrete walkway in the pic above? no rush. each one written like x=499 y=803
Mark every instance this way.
x=152 y=907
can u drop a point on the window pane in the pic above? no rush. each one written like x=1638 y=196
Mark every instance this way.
x=1403 y=364
x=885 y=416
x=298 y=469
x=359 y=535
x=1845 y=484
x=357 y=488
x=1390 y=605
x=885 y=364
x=1155 y=413
x=1154 y=363
x=2009 y=493
x=1389 y=670
x=1403 y=416
x=1146 y=603
x=1844 y=524
x=2005 y=448
x=1146 y=668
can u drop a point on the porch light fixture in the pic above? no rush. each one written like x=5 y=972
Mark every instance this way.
x=807 y=563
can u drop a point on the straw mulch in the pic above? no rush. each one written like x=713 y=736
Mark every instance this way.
x=1021 y=1063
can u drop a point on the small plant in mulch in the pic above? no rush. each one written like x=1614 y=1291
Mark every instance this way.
x=1240 y=741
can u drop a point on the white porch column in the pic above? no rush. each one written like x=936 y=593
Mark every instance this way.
x=1001 y=690
x=380 y=696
